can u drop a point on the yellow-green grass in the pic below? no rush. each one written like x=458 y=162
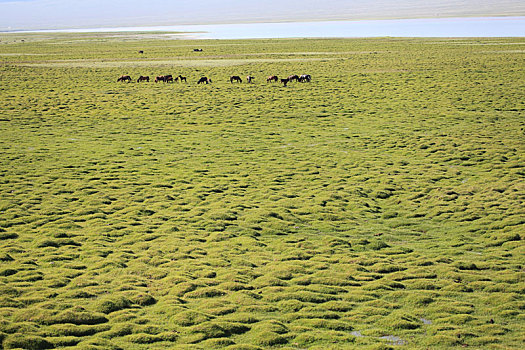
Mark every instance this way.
x=379 y=205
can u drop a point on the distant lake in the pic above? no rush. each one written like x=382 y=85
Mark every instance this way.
x=425 y=27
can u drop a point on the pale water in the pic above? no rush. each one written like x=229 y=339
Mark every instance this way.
x=426 y=27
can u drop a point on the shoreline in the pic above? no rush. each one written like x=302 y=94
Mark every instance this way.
x=460 y=27
x=162 y=28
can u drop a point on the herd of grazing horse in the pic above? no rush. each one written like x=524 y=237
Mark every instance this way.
x=305 y=78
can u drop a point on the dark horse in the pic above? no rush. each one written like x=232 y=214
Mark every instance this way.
x=181 y=78
x=249 y=79
x=168 y=78
x=142 y=78
x=124 y=78
x=285 y=81
x=293 y=77
x=160 y=78
x=235 y=78
x=305 y=78
x=204 y=80
x=272 y=78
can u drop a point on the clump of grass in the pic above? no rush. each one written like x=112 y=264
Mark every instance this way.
x=401 y=321
x=144 y=338
x=323 y=324
x=8 y=235
x=10 y=302
x=243 y=347
x=270 y=326
x=241 y=317
x=323 y=337
x=205 y=292
x=143 y=299
x=78 y=318
x=64 y=341
x=268 y=338
x=500 y=239
x=387 y=268
x=290 y=305
x=338 y=306
x=19 y=327
x=217 y=343
x=217 y=307
x=98 y=344
x=208 y=330
x=189 y=318
x=118 y=330
x=6 y=257
x=383 y=285
x=8 y=272
x=68 y=329
x=111 y=304
x=29 y=342
x=182 y=288
x=377 y=245
x=268 y=281
x=419 y=299
x=491 y=330
x=443 y=340
x=459 y=319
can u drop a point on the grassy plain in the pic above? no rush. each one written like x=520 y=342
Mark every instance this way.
x=380 y=205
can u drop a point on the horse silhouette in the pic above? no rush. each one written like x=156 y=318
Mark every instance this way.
x=305 y=78
x=204 y=80
x=235 y=78
x=124 y=78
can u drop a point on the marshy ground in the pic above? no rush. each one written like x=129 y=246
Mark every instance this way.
x=380 y=205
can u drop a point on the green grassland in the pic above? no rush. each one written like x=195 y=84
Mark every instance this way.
x=379 y=206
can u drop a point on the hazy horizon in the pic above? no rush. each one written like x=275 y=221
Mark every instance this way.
x=64 y=14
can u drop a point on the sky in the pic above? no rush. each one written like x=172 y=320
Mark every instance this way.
x=63 y=14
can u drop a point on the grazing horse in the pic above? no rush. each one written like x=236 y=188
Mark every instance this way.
x=204 y=80
x=235 y=78
x=124 y=78
x=249 y=79
x=197 y=50
x=168 y=78
x=285 y=81
x=160 y=78
x=141 y=51
x=272 y=78
x=293 y=77
x=305 y=78
x=142 y=78
x=181 y=78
